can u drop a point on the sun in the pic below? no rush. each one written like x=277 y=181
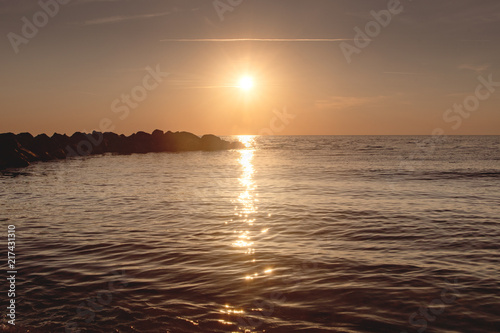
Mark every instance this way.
x=246 y=83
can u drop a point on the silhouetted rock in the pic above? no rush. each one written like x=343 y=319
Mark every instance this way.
x=185 y=141
x=157 y=133
x=78 y=137
x=47 y=148
x=61 y=140
x=110 y=142
x=141 y=143
x=212 y=142
x=25 y=139
x=97 y=141
x=12 y=154
x=22 y=149
x=157 y=141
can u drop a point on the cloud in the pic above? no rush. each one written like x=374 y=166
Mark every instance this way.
x=474 y=68
x=344 y=102
x=87 y=1
x=402 y=73
x=20 y=6
x=122 y=18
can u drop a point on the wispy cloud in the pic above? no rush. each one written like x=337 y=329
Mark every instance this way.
x=86 y=1
x=195 y=81
x=476 y=40
x=474 y=68
x=344 y=102
x=402 y=73
x=232 y=40
x=122 y=18
x=86 y=93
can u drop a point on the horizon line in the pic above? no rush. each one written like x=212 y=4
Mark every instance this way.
x=225 y=40
x=261 y=135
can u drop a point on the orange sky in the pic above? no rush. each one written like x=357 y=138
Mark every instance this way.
x=101 y=65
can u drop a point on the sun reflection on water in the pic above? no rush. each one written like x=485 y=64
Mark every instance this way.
x=247 y=140
x=246 y=208
x=247 y=226
x=247 y=197
x=246 y=202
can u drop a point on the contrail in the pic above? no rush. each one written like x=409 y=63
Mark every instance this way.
x=402 y=73
x=232 y=40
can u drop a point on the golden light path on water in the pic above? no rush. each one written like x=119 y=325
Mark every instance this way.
x=246 y=202
x=246 y=209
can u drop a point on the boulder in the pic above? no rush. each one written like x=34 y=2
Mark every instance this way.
x=157 y=144
x=112 y=142
x=11 y=153
x=185 y=141
x=25 y=139
x=19 y=150
x=211 y=142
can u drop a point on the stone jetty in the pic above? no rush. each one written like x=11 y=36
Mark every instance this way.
x=20 y=150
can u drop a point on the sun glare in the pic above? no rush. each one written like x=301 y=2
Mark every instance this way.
x=246 y=83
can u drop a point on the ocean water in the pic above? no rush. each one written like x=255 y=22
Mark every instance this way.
x=291 y=234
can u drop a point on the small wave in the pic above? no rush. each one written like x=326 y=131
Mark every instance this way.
x=456 y=175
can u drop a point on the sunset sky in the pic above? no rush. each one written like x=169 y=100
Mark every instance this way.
x=304 y=72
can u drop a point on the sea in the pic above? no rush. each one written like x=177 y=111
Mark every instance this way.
x=291 y=234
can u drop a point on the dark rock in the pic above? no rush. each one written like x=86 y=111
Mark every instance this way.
x=77 y=137
x=25 y=139
x=112 y=142
x=157 y=143
x=236 y=145
x=124 y=145
x=46 y=148
x=19 y=150
x=157 y=133
x=96 y=139
x=12 y=155
x=141 y=142
x=185 y=141
x=211 y=142
x=61 y=139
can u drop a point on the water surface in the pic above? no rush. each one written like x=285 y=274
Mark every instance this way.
x=292 y=234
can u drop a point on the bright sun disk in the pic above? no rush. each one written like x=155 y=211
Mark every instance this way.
x=246 y=83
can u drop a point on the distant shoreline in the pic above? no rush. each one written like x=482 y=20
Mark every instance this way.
x=18 y=151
